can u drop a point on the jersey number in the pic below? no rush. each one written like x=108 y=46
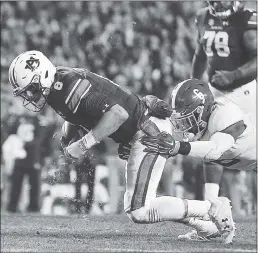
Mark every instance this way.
x=220 y=40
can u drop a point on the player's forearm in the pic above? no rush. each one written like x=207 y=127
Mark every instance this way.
x=198 y=67
x=110 y=122
x=248 y=70
x=208 y=150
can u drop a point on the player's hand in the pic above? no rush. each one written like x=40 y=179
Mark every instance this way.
x=157 y=107
x=75 y=150
x=222 y=79
x=124 y=151
x=163 y=144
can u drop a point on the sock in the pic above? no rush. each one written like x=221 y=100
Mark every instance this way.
x=197 y=208
x=166 y=208
x=211 y=191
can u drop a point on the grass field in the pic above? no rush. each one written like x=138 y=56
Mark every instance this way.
x=111 y=233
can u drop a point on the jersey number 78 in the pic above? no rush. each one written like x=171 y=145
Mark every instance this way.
x=220 y=40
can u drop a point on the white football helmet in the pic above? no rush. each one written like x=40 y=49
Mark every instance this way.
x=31 y=76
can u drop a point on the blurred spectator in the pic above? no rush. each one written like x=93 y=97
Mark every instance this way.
x=22 y=156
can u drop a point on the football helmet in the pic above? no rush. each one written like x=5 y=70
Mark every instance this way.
x=223 y=9
x=31 y=75
x=192 y=103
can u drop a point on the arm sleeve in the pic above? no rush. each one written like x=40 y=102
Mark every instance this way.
x=213 y=148
x=95 y=103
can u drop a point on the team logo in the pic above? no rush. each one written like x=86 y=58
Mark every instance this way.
x=199 y=94
x=58 y=85
x=32 y=64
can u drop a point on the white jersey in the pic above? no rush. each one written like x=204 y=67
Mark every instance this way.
x=242 y=155
x=244 y=97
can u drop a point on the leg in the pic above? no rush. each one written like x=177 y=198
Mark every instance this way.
x=34 y=181
x=16 y=185
x=212 y=178
x=143 y=173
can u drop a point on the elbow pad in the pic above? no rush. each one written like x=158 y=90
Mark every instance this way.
x=222 y=143
x=213 y=148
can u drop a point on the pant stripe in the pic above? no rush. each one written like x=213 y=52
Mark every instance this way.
x=142 y=181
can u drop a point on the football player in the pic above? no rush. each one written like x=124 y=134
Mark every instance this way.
x=227 y=50
x=208 y=130
x=105 y=109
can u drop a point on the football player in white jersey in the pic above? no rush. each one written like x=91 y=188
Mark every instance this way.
x=228 y=137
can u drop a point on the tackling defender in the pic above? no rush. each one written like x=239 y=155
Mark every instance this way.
x=204 y=129
x=227 y=49
x=104 y=109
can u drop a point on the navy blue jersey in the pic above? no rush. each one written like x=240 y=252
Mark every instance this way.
x=82 y=97
x=222 y=40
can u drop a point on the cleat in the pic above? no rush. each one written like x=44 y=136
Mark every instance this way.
x=203 y=231
x=193 y=235
x=220 y=213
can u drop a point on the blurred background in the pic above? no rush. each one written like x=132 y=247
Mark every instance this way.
x=145 y=46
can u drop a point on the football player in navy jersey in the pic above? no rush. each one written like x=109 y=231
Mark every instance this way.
x=104 y=109
x=227 y=50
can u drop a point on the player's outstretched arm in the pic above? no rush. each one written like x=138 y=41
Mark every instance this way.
x=165 y=145
x=199 y=62
x=110 y=122
x=250 y=43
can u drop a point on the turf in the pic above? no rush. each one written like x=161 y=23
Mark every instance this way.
x=111 y=233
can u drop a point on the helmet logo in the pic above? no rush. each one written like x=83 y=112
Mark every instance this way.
x=32 y=64
x=199 y=94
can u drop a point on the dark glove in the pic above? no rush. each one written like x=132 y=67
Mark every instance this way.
x=157 y=107
x=124 y=151
x=163 y=144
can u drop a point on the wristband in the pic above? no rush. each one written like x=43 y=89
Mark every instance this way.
x=185 y=148
x=175 y=150
x=87 y=141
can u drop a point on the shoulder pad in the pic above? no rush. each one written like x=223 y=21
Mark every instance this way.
x=224 y=116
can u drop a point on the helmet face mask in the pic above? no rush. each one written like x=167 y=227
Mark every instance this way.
x=31 y=76
x=191 y=126
x=33 y=95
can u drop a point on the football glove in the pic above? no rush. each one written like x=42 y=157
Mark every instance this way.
x=124 y=151
x=163 y=144
x=69 y=134
x=157 y=107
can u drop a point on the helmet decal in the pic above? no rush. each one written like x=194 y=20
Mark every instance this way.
x=32 y=63
x=199 y=95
